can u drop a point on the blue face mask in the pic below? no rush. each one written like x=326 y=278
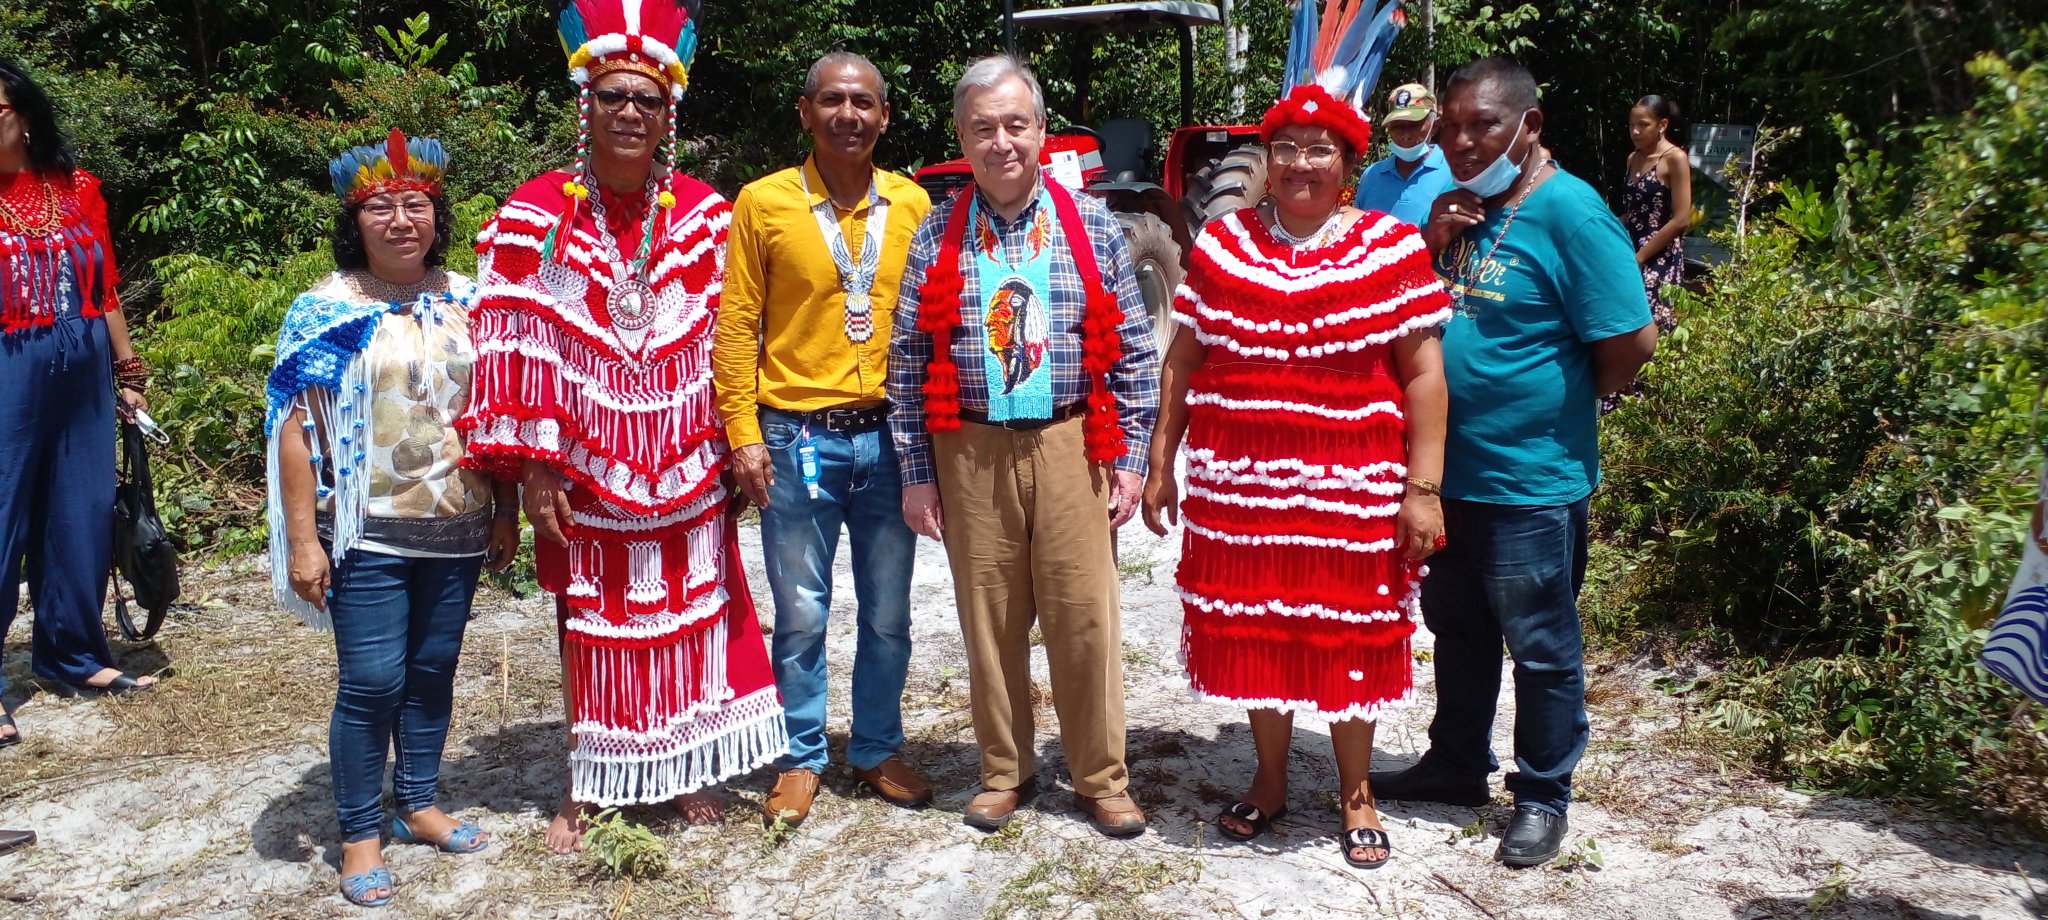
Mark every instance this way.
x=1407 y=154
x=1499 y=174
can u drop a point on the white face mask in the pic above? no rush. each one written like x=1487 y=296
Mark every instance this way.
x=1499 y=174
x=1408 y=154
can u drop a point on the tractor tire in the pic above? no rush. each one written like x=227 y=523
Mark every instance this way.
x=1236 y=181
x=1156 y=257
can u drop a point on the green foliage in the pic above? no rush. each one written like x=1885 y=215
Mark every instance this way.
x=1832 y=472
x=213 y=349
x=623 y=848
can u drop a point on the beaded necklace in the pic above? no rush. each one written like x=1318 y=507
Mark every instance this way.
x=53 y=214
x=1468 y=272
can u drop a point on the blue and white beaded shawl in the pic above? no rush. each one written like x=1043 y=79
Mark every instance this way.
x=321 y=367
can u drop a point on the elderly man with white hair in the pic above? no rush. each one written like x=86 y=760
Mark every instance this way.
x=1025 y=377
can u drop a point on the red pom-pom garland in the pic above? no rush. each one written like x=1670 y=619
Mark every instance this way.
x=938 y=314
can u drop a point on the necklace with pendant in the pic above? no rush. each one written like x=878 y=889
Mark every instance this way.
x=631 y=300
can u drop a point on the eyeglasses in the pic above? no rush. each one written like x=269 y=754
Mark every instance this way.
x=1317 y=156
x=612 y=100
x=384 y=212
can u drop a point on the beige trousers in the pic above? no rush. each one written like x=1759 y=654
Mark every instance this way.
x=1027 y=533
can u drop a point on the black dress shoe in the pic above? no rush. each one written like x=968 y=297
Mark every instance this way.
x=1533 y=838
x=1422 y=783
x=15 y=840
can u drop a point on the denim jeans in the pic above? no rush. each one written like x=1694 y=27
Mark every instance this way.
x=859 y=487
x=1511 y=573
x=398 y=625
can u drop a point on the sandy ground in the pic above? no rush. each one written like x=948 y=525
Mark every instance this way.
x=210 y=799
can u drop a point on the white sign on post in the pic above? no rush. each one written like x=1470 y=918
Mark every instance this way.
x=1713 y=146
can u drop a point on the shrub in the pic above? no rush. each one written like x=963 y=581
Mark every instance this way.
x=1831 y=477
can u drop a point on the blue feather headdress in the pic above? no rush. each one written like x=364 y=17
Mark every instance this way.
x=1333 y=63
x=418 y=164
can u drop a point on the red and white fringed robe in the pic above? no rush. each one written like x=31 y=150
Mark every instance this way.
x=669 y=684
x=1294 y=595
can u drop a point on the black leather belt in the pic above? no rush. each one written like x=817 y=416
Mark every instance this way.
x=1060 y=414
x=844 y=421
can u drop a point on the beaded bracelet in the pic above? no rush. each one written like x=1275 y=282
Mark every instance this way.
x=132 y=373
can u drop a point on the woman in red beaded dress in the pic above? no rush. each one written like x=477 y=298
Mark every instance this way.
x=63 y=345
x=1309 y=384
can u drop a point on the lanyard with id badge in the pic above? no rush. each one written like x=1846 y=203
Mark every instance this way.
x=807 y=460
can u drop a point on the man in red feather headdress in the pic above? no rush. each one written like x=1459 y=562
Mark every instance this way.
x=593 y=387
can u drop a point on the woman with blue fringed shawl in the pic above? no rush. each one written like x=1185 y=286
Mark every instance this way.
x=377 y=532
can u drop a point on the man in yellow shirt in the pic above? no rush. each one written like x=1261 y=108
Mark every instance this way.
x=813 y=264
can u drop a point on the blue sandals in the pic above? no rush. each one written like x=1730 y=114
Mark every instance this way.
x=465 y=838
x=357 y=888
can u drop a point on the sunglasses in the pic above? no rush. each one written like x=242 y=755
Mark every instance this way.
x=613 y=100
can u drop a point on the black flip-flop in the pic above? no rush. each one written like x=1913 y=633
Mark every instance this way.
x=10 y=740
x=121 y=685
x=1249 y=814
x=1365 y=838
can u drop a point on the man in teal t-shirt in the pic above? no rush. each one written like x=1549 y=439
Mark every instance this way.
x=1549 y=314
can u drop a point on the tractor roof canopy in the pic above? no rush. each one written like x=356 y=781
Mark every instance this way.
x=1124 y=17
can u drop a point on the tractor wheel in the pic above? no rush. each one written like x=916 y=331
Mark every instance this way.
x=1236 y=181
x=1157 y=259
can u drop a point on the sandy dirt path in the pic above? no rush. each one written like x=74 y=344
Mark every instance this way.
x=210 y=799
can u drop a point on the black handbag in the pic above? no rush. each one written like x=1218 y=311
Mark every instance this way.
x=143 y=553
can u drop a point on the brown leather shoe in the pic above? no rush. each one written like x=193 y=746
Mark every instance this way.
x=993 y=808
x=895 y=781
x=1114 y=815
x=791 y=798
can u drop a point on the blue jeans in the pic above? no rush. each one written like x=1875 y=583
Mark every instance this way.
x=57 y=491
x=398 y=625
x=859 y=487
x=1511 y=573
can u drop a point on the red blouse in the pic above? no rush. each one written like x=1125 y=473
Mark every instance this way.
x=56 y=249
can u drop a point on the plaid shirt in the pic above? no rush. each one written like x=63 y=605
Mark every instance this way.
x=1134 y=381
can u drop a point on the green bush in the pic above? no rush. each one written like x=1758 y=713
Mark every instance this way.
x=1831 y=476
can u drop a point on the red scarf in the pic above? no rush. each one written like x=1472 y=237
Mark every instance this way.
x=938 y=314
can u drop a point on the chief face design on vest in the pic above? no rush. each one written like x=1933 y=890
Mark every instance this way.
x=1018 y=329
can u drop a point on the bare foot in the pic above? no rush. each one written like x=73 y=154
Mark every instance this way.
x=1367 y=815
x=434 y=825
x=106 y=676
x=565 y=833
x=8 y=731
x=701 y=807
x=1269 y=796
x=360 y=857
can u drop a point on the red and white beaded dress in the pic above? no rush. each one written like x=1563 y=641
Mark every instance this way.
x=669 y=682
x=1295 y=597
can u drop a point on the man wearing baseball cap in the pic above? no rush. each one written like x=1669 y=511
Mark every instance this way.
x=1408 y=180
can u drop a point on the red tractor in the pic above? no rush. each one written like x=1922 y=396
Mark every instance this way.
x=1208 y=170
